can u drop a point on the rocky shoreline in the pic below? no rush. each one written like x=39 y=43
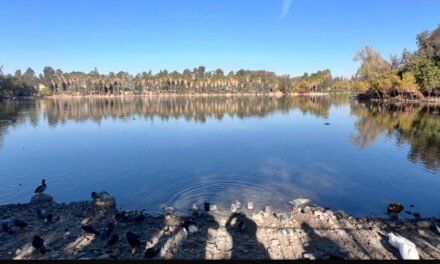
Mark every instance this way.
x=306 y=232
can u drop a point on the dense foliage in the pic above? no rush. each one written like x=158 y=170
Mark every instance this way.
x=197 y=80
x=412 y=75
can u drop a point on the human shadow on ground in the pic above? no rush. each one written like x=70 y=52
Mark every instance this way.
x=194 y=245
x=244 y=238
x=322 y=247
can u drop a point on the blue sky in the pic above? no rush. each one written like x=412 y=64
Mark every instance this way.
x=288 y=37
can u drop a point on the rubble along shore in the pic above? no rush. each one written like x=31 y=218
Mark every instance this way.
x=307 y=232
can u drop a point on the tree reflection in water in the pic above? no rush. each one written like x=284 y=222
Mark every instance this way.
x=414 y=124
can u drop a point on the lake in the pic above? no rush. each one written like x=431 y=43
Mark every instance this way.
x=154 y=151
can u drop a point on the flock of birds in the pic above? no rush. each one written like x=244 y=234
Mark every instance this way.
x=406 y=247
x=133 y=239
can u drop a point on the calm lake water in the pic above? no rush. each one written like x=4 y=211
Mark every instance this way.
x=156 y=151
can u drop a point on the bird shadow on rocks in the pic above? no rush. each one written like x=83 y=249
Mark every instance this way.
x=243 y=232
x=321 y=247
x=387 y=246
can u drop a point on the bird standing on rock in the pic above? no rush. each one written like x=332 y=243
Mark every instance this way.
x=40 y=189
x=38 y=244
x=113 y=240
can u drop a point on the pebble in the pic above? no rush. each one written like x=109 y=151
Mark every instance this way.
x=307 y=210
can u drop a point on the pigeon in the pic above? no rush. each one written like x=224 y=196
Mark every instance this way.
x=234 y=208
x=133 y=239
x=152 y=252
x=113 y=240
x=282 y=216
x=206 y=206
x=406 y=248
x=108 y=229
x=90 y=230
x=40 y=189
x=41 y=213
x=170 y=210
x=190 y=226
x=194 y=209
x=38 y=244
x=20 y=224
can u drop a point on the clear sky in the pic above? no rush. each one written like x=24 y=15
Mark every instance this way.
x=288 y=37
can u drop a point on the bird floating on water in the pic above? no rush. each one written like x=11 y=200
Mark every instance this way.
x=40 y=189
x=38 y=244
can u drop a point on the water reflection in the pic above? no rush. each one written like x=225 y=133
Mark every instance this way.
x=268 y=150
x=414 y=124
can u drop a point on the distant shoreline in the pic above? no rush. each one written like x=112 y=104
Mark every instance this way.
x=67 y=96
x=188 y=95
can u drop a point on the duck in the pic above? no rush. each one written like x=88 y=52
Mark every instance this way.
x=113 y=240
x=40 y=189
x=395 y=208
x=38 y=244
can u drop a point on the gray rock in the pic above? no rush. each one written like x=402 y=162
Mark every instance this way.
x=41 y=198
x=300 y=202
x=423 y=224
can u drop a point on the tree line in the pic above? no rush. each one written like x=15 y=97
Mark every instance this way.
x=412 y=75
x=194 y=81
